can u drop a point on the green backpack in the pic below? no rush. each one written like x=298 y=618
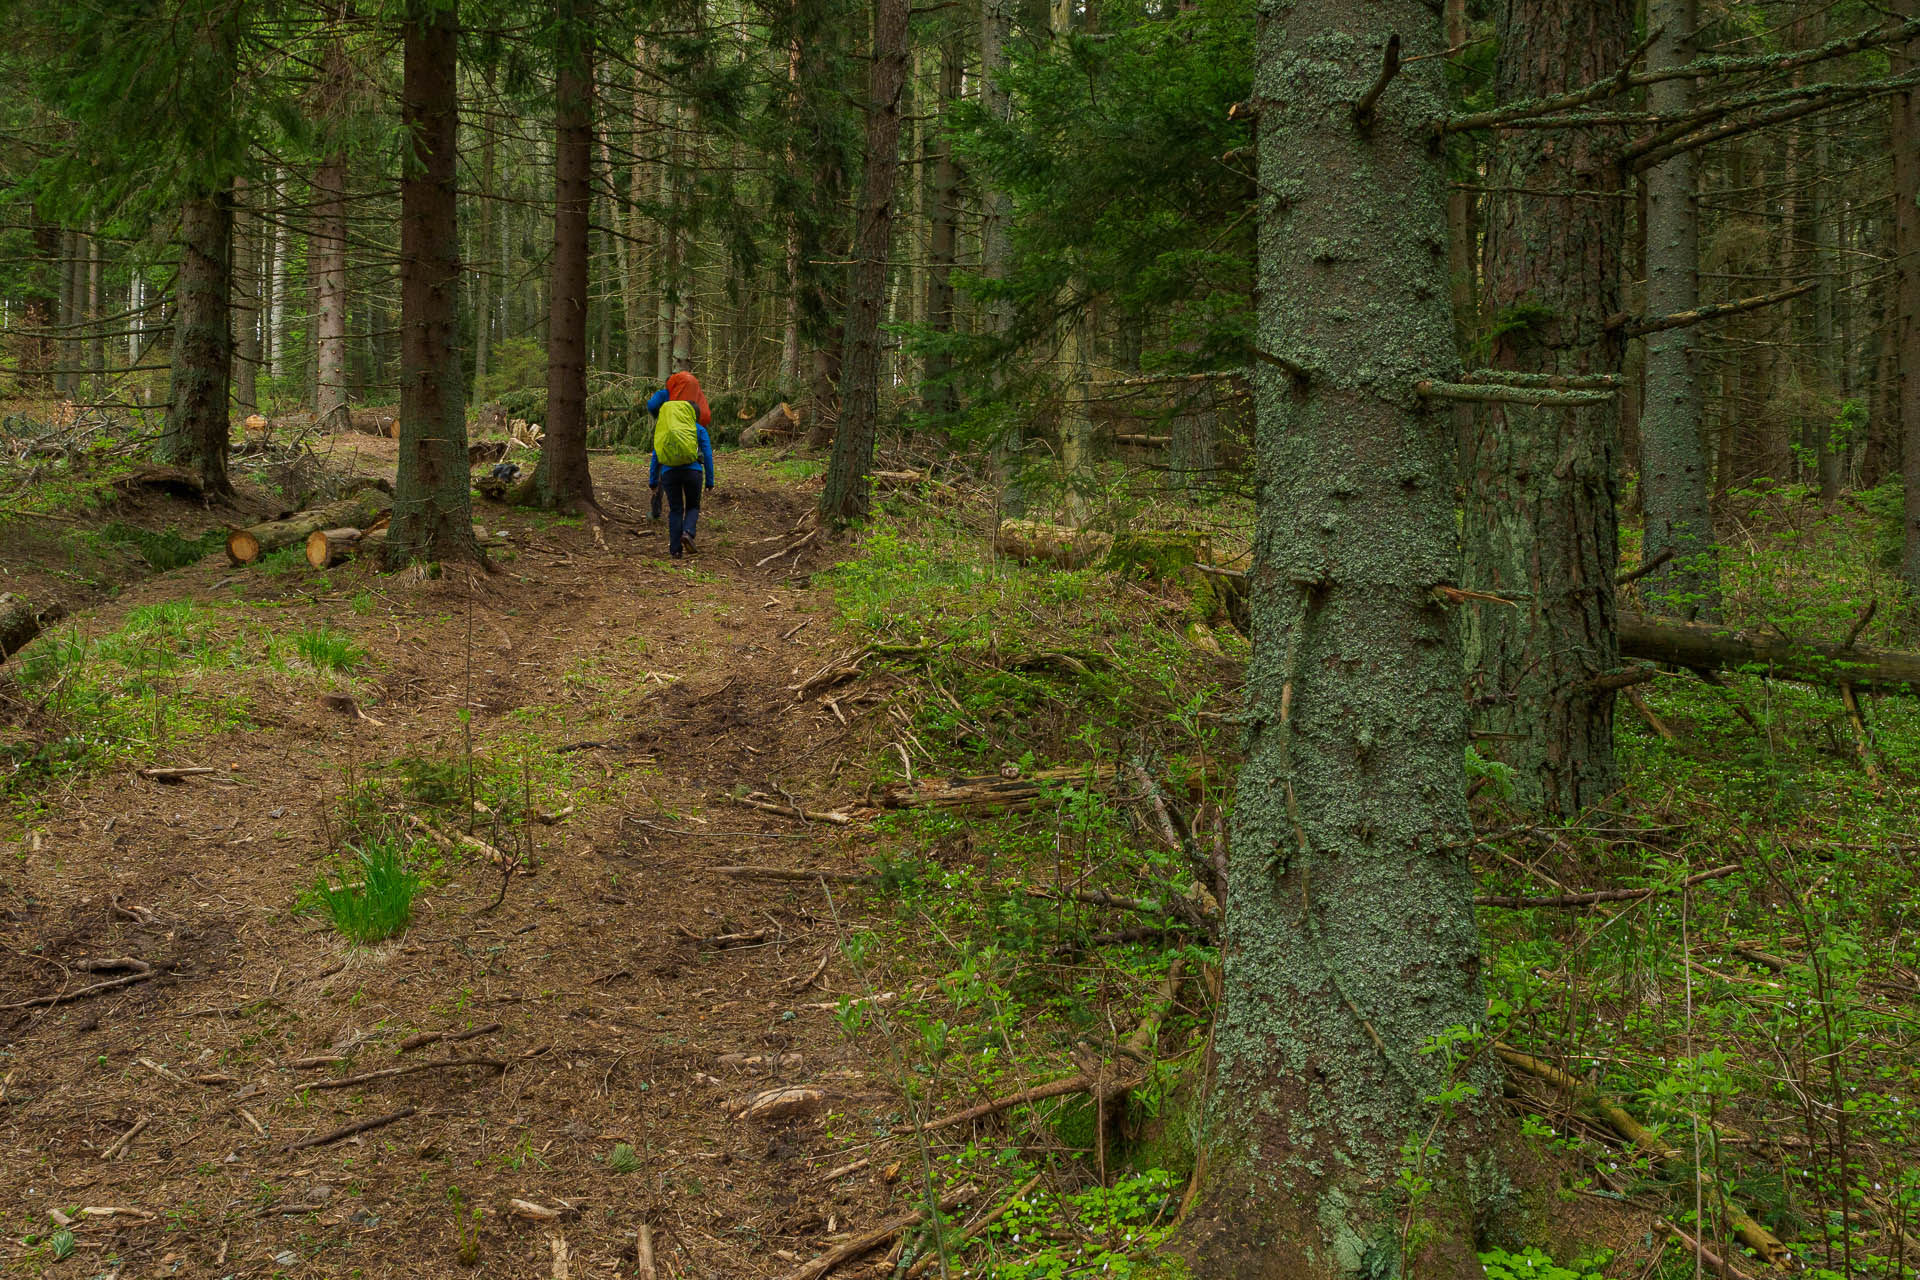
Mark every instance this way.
x=676 y=434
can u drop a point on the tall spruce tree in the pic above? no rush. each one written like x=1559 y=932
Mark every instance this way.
x=1350 y=941
x=563 y=479
x=848 y=493
x=1541 y=478
x=431 y=504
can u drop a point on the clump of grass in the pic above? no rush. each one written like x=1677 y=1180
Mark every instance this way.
x=623 y=1159
x=380 y=903
x=325 y=649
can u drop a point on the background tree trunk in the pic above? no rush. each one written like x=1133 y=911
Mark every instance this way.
x=328 y=249
x=483 y=285
x=246 y=292
x=196 y=432
x=431 y=505
x=1350 y=931
x=1674 y=481
x=562 y=479
x=996 y=233
x=941 y=396
x=848 y=492
x=1906 y=252
x=1540 y=516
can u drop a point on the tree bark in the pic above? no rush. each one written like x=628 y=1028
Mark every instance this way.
x=39 y=312
x=940 y=396
x=1350 y=929
x=97 y=344
x=196 y=431
x=483 y=286
x=1674 y=481
x=431 y=506
x=1906 y=251
x=996 y=234
x=848 y=493
x=246 y=289
x=563 y=480
x=329 y=248
x=1540 y=517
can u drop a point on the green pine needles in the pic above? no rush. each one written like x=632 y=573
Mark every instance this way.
x=380 y=903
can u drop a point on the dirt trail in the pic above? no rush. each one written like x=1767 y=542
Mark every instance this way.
x=614 y=1016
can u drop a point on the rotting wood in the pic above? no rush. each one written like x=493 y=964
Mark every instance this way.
x=877 y=1236
x=388 y=1073
x=125 y=1140
x=68 y=996
x=421 y=1039
x=1604 y=895
x=766 y=805
x=1750 y=1233
x=1488 y=393
x=176 y=773
x=532 y=1212
x=992 y=791
x=349 y=1130
x=1704 y=647
x=777 y=423
x=1067 y=546
x=784 y=1103
x=993 y=1106
x=791 y=873
x=20 y=622
x=643 y=1255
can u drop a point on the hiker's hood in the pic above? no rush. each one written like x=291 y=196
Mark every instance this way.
x=684 y=386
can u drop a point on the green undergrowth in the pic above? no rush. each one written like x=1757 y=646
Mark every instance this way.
x=1758 y=1009
x=1766 y=1018
x=503 y=795
x=374 y=899
x=167 y=678
x=1017 y=980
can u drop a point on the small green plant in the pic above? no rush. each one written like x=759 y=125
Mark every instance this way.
x=325 y=649
x=623 y=1159
x=1529 y=1264
x=380 y=903
x=466 y=1228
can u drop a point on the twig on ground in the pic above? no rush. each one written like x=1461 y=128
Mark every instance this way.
x=347 y=1131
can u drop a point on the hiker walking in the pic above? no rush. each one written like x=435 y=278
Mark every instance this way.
x=682 y=457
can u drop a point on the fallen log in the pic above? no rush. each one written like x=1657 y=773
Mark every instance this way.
x=21 y=622
x=328 y=547
x=1054 y=544
x=776 y=423
x=1702 y=647
x=359 y=510
x=1012 y=795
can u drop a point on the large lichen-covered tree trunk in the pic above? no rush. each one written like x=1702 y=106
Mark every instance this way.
x=197 y=431
x=1350 y=930
x=432 y=507
x=1540 y=520
x=1673 y=457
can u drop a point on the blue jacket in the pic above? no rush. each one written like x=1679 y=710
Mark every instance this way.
x=706 y=444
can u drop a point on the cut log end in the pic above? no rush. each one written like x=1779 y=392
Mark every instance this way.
x=242 y=547
x=328 y=547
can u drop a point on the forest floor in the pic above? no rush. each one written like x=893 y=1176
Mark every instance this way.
x=618 y=975
x=590 y=1027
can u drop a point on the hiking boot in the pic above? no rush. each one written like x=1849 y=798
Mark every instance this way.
x=687 y=542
